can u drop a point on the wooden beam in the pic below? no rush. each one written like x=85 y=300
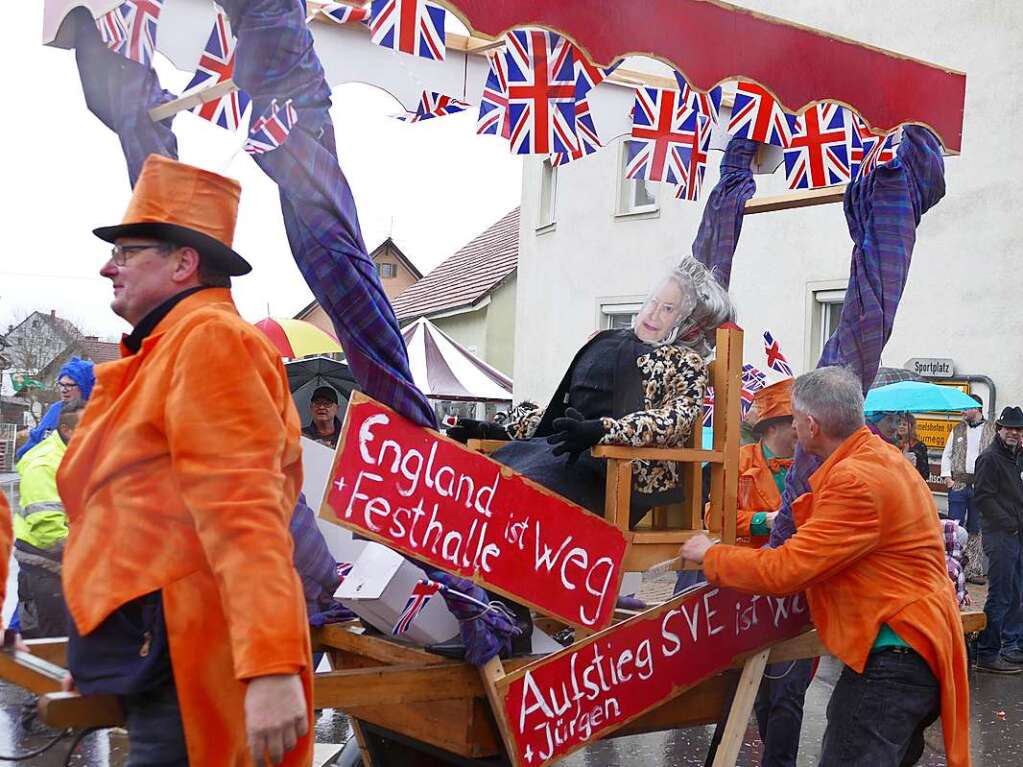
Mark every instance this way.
x=803 y=198
x=61 y=710
x=341 y=636
x=53 y=650
x=396 y=685
x=742 y=707
x=687 y=455
x=34 y=674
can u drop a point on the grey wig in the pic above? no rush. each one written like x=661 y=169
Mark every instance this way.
x=713 y=308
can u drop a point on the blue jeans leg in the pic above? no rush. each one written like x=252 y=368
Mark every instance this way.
x=1005 y=580
x=878 y=718
x=958 y=508
x=779 y=710
x=156 y=736
x=972 y=512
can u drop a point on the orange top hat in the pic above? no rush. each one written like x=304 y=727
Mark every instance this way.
x=772 y=402
x=186 y=205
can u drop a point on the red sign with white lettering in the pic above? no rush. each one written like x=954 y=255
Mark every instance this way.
x=588 y=690
x=433 y=499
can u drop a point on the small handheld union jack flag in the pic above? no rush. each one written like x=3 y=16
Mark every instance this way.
x=541 y=92
x=343 y=13
x=753 y=380
x=216 y=65
x=422 y=592
x=708 y=408
x=493 y=118
x=343 y=570
x=271 y=129
x=758 y=117
x=415 y=27
x=707 y=104
x=775 y=359
x=130 y=29
x=663 y=134
x=433 y=104
x=818 y=152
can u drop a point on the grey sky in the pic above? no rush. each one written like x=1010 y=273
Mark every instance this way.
x=432 y=186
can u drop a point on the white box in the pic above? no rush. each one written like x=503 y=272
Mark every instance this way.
x=317 y=461
x=378 y=588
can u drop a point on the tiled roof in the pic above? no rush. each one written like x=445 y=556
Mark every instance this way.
x=99 y=351
x=468 y=276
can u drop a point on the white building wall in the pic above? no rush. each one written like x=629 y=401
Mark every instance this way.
x=963 y=296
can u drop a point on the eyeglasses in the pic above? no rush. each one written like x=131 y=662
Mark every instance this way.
x=121 y=253
x=66 y=386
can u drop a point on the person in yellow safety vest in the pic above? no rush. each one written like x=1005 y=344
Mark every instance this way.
x=40 y=529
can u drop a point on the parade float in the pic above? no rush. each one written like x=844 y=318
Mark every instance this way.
x=558 y=80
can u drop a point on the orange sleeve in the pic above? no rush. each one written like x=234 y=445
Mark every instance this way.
x=227 y=431
x=6 y=538
x=842 y=528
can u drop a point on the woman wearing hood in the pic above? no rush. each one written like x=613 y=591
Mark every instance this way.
x=641 y=387
x=74 y=381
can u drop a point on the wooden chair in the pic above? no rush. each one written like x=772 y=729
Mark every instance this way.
x=672 y=525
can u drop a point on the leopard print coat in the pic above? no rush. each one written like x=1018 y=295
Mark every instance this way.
x=673 y=379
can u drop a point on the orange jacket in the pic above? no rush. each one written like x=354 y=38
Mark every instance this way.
x=757 y=492
x=6 y=538
x=868 y=551
x=182 y=476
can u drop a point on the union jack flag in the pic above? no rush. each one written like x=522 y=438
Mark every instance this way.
x=433 y=104
x=588 y=141
x=708 y=407
x=343 y=570
x=130 y=29
x=493 y=118
x=111 y=29
x=882 y=152
x=415 y=27
x=663 y=134
x=421 y=594
x=216 y=65
x=541 y=92
x=757 y=116
x=775 y=359
x=818 y=153
x=346 y=14
x=753 y=380
x=707 y=104
x=861 y=141
x=271 y=129
x=692 y=182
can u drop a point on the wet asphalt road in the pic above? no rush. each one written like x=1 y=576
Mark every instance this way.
x=997 y=733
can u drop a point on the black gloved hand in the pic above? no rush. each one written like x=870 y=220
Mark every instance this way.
x=468 y=428
x=573 y=434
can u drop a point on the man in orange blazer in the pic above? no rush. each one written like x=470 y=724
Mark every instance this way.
x=868 y=553
x=178 y=486
x=6 y=541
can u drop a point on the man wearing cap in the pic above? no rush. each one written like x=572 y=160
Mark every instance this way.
x=965 y=442
x=763 y=466
x=325 y=427
x=869 y=556
x=178 y=486
x=998 y=496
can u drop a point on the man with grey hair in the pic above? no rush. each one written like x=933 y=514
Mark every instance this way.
x=868 y=552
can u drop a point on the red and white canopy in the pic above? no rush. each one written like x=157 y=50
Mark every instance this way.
x=442 y=369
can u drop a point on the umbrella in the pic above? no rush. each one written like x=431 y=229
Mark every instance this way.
x=295 y=338
x=307 y=375
x=917 y=397
x=887 y=376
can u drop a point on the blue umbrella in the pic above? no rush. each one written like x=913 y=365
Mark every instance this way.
x=916 y=397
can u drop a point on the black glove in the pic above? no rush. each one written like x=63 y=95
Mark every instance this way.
x=467 y=429
x=573 y=434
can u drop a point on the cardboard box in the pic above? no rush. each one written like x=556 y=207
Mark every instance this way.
x=378 y=589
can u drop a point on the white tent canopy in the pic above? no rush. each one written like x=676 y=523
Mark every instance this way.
x=444 y=370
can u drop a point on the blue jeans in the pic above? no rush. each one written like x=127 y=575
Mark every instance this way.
x=779 y=710
x=878 y=718
x=1005 y=589
x=156 y=736
x=962 y=510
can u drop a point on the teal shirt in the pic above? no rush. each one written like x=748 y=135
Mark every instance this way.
x=886 y=637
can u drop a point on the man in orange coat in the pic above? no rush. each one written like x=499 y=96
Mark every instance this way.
x=6 y=541
x=868 y=552
x=178 y=486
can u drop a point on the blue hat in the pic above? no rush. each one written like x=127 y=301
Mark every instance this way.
x=81 y=372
